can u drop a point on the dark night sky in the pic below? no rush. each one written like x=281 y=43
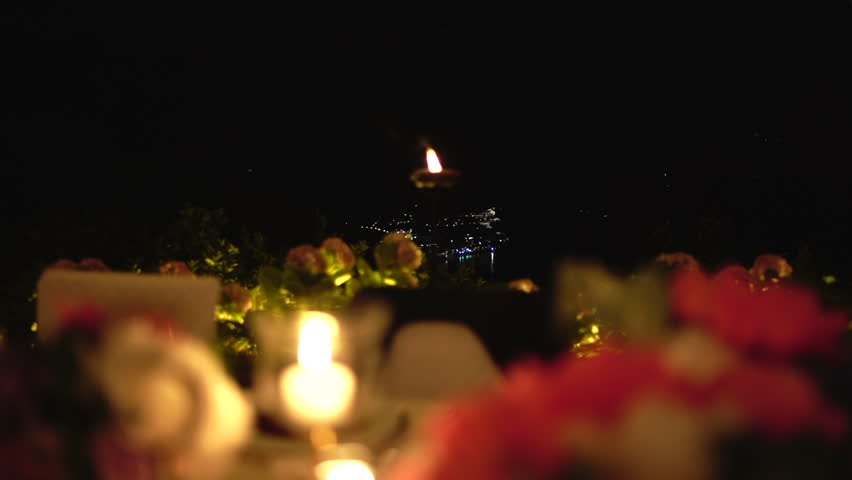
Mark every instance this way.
x=644 y=115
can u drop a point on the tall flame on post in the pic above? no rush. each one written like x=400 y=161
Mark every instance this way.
x=434 y=175
x=432 y=162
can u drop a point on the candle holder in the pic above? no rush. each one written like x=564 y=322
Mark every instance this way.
x=315 y=370
x=433 y=180
x=346 y=460
x=435 y=175
x=446 y=178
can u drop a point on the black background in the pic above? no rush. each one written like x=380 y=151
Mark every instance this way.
x=647 y=114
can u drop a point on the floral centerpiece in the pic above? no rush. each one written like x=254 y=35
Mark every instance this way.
x=119 y=398
x=328 y=277
x=725 y=392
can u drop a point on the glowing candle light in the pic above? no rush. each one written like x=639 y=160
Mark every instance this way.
x=434 y=175
x=433 y=164
x=317 y=390
x=344 y=470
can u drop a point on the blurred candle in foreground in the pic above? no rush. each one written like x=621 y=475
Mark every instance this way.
x=344 y=470
x=317 y=390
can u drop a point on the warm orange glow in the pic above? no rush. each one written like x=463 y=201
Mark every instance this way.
x=432 y=162
x=317 y=390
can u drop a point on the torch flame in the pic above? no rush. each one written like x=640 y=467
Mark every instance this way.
x=432 y=162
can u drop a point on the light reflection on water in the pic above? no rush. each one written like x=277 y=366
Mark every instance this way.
x=485 y=262
x=507 y=263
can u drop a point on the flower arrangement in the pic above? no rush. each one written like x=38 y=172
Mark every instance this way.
x=721 y=392
x=328 y=277
x=767 y=317
x=325 y=277
x=87 y=264
x=119 y=398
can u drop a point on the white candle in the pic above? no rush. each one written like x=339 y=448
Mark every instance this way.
x=317 y=390
x=344 y=470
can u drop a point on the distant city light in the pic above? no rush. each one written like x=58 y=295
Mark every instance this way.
x=471 y=232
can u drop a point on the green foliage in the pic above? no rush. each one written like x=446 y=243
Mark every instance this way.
x=360 y=248
x=197 y=237
x=219 y=258
x=290 y=287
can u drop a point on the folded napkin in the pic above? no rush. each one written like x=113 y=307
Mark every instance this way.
x=188 y=301
x=434 y=359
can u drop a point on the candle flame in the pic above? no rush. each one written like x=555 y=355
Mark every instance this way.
x=345 y=470
x=432 y=162
x=316 y=339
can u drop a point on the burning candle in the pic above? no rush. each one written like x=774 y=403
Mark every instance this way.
x=348 y=461
x=344 y=470
x=434 y=175
x=317 y=390
x=433 y=163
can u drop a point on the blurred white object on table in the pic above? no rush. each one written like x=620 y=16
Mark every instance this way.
x=432 y=360
x=190 y=301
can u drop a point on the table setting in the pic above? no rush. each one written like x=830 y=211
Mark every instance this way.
x=347 y=362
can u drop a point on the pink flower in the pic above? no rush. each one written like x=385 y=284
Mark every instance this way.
x=236 y=293
x=116 y=460
x=86 y=264
x=63 y=264
x=394 y=237
x=36 y=454
x=780 y=401
x=766 y=263
x=175 y=267
x=87 y=317
x=93 y=265
x=492 y=436
x=398 y=251
x=306 y=258
x=612 y=409
x=679 y=260
x=341 y=252
x=409 y=255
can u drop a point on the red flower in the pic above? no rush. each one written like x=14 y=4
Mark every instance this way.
x=775 y=318
x=780 y=401
x=306 y=258
x=518 y=429
x=679 y=260
x=768 y=266
x=544 y=416
x=397 y=251
x=239 y=295
x=93 y=265
x=86 y=264
x=344 y=255
x=408 y=254
x=175 y=267
x=35 y=454
x=467 y=443
x=86 y=317
x=63 y=264
x=116 y=460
